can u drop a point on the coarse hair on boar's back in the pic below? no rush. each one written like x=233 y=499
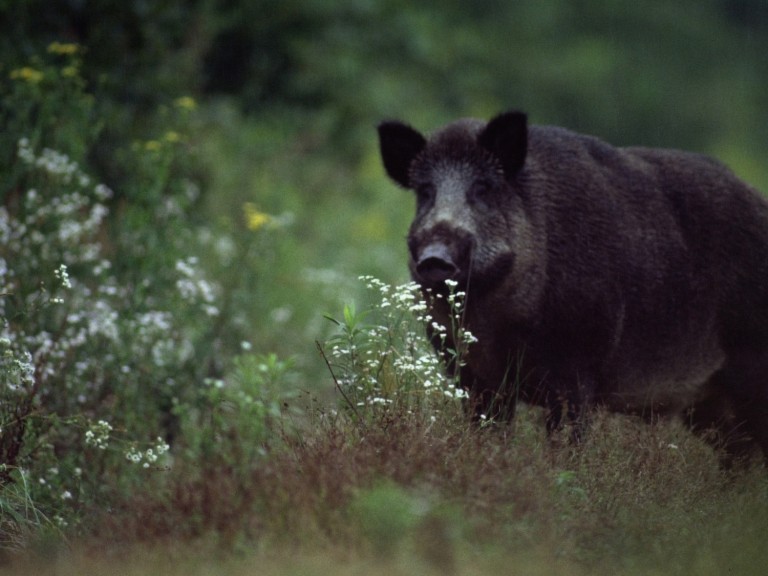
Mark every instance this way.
x=634 y=278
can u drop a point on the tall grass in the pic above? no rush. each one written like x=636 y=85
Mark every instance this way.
x=411 y=495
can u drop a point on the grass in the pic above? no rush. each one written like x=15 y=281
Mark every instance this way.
x=408 y=495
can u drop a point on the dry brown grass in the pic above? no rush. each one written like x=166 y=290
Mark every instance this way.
x=406 y=492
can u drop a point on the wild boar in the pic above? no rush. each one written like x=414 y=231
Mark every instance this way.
x=633 y=278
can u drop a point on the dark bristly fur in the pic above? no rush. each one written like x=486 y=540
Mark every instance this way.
x=631 y=277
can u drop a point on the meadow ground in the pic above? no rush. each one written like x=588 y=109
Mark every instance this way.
x=406 y=495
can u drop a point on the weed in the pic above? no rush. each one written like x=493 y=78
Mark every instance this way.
x=389 y=362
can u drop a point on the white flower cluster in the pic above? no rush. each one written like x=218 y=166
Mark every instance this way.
x=72 y=216
x=149 y=456
x=63 y=275
x=404 y=297
x=69 y=329
x=193 y=287
x=16 y=367
x=54 y=163
x=98 y=435
x=53 y=227
x=460 y=335
x=383 y=362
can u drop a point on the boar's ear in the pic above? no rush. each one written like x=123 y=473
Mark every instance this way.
x=399 y=145
x=506 y=136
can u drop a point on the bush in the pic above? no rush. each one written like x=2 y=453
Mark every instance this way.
x=390 y=363
x=110 y=343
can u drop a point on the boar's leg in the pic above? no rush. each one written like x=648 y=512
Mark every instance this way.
x=488 y=401
x=734 y=416
x=745 y=377
x=714 y=420
x=754 y=414
x=570 y=397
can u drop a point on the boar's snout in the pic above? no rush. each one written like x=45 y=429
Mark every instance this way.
x=435 y=265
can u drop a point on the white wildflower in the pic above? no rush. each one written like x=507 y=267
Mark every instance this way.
x=98 y=435
x=63 y=275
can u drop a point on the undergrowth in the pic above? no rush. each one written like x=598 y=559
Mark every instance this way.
x=414 y=488
x=436 y=495
x=116 y=345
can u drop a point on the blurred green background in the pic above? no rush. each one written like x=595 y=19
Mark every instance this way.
x=292 y=204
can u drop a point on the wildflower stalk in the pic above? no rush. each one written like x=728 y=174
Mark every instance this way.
x=338 y=386
x=390 y=363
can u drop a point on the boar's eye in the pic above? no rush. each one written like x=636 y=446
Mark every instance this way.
x=425 y=193
x=480 y=191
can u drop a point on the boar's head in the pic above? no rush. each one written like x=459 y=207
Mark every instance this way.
x=471 y=222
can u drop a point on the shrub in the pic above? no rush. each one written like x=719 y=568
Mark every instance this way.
x=106 y=315
x=390 y=362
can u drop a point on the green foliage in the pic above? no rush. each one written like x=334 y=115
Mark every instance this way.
x=234 y=420
x=44 y=100
x=109 y=322
x=20 y=518
x=387 y=515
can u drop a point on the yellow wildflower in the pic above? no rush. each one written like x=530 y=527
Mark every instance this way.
x=70 y=72
x=171 y=136
x=152 y=146
x=27 y=74
x=255 y=218
x=185 y=103
x=66 y=49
